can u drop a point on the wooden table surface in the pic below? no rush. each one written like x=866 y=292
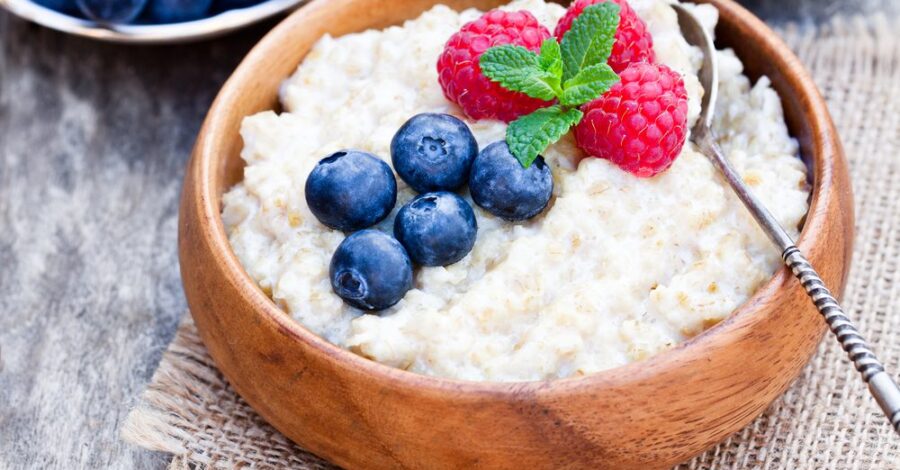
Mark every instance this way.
x=93 y=142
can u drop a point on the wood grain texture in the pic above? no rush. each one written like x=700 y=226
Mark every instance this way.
x=93 y=143
x=365 y=415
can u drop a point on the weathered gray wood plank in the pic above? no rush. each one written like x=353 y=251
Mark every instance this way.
x=93 y=142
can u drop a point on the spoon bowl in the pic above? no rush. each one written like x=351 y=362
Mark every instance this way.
x=697 y=35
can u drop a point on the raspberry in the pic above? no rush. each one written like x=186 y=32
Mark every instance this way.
x=460 y=73
x=639 y=124
x=633 y=41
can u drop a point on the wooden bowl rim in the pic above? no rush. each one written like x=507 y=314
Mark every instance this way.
x=748 y=313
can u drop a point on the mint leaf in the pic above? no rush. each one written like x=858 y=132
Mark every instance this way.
x=574 y=72
x=518 y=69
x=588 y=84
x=530 y=135
x=590 y=39
x=551 y=57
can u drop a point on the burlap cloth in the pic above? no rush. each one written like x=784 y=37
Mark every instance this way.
x=825 y=420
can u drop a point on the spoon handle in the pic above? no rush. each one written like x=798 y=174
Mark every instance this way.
x=880 y=383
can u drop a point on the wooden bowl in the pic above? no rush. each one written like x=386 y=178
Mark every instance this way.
x=358 y=413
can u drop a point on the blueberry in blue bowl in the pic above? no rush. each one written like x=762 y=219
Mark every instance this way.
x=62 y=6
x=500 y=185
x=112 y=11
x=222 y=5
x=351 y=190
x=437 y=229
x=370 y=270
x=178 y=11
x=433 y=152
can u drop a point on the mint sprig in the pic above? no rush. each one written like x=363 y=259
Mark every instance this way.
x=572 y=72
x=550 y=58
x=531 y=134
x=590 y=39
x=589 y=83
x=516 y=68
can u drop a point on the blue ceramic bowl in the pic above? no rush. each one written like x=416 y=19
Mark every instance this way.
x=211 y=26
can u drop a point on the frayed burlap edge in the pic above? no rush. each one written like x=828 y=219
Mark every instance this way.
x=189 y=410
x=824 y=421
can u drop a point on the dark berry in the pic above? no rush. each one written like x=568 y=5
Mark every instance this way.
x=351 y=190
x=178 y=11
x=63 y=6
x=111 y=11
x=433 y=152
x=370 y=270
x=503 y=187
x=222 y=5
x=436 y=229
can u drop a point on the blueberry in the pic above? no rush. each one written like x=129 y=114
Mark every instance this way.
x=63 y=6
x=112 y=11
x=222 y=5
x=370 y=270
x=436 y=229
x=351 y=190
x=433 y=152
x=178 y=11
x=501 y=186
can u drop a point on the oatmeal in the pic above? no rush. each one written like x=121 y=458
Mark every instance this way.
x=617 y=269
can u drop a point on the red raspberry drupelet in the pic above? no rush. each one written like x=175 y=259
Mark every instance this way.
x=633 y=41
x=640 y=124
x=460 y=74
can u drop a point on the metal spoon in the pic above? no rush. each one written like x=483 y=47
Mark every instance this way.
x=881 y=385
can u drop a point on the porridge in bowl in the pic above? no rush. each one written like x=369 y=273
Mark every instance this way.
x=616 y=268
